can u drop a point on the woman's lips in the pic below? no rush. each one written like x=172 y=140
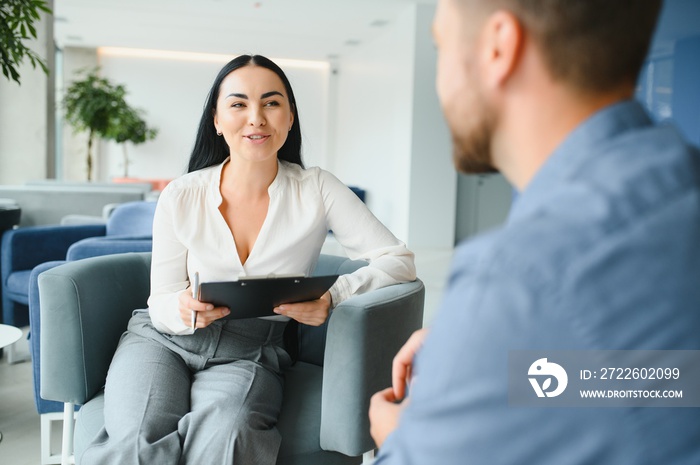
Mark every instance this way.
x=257 y=138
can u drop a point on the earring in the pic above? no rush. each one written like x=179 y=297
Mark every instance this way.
x=218 y=133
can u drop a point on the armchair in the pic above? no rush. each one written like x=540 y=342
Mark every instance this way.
x=324 y=413
x=115 y=237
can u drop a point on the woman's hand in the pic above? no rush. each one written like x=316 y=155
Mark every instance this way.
x=312 y=312
x=206 y=313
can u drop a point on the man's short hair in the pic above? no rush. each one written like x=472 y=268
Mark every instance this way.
x=594 y=45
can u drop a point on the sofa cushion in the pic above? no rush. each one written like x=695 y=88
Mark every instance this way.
x=300 y=419
x=107 y=245
x=132 y=219
x=312 y=339
x=17 y=286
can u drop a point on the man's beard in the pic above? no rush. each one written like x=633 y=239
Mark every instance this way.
x=471 y=149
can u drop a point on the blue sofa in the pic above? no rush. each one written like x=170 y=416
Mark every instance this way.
x=25 y=248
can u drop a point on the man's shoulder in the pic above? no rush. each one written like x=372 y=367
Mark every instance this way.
x=524 y=248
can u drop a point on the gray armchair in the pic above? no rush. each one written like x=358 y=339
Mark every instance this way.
x=86 y=306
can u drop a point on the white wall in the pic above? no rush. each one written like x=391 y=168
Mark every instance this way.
x=172 y=94
x=392 y=138
x=433 y=183
x=375 y=105
x=24 y=116
x=483 y=202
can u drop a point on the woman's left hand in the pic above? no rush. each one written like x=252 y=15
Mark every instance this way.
x=312 y=312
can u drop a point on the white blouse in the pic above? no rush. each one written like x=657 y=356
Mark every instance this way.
x=190 y=235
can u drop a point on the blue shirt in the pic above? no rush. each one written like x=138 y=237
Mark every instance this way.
x=601 y=251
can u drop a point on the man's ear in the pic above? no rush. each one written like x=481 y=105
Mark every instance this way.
x=501 y=46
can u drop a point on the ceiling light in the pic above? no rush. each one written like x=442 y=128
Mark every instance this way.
x=200 y=57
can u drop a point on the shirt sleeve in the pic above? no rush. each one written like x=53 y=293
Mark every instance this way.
x=168 y=268
x=363 y=237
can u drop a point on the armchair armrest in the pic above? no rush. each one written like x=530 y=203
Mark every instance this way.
x=107 y=245
x=364 y=334
x=42 y=405
x=85 y=308
x=25 y=248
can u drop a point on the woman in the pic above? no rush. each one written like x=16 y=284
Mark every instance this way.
x=212 y=393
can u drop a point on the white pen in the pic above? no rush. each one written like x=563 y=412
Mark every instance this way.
x=195 y=295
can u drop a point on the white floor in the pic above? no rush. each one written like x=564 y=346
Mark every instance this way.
x=19 y=422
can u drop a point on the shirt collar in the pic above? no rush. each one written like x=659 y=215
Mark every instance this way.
x=215 y=183
x=575 y=152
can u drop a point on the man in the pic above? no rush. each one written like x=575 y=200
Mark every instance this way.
x=601 y=250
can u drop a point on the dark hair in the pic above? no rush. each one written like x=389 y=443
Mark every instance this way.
x=210 y=149
x=594 y=45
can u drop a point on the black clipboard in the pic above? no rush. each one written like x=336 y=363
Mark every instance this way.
x=256 y=297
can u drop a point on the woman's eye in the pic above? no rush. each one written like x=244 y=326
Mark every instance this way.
x=237 y=105
x=272 y=103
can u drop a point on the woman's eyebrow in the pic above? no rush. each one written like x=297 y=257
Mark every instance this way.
x=263 y=96
x=270 y=94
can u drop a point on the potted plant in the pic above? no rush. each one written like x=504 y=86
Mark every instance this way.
x=129 y=127
x=96 y=105
x=17 y=19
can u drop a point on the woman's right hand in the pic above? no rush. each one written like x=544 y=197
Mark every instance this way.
x=206 y=312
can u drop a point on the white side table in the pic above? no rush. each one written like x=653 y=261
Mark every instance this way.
x=8 y=335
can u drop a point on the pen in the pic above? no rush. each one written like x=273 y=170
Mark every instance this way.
x=195 y=295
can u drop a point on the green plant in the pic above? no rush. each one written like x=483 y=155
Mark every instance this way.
x=17 y=19
x=96 y=105
x=129 y=127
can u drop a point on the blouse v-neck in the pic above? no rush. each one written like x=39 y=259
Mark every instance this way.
x=260 y=238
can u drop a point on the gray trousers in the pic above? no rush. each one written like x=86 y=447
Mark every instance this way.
x=210 y=398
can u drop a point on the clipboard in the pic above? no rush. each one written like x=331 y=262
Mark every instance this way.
x=256 y=297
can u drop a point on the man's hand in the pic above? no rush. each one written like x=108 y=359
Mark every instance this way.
x=401 y=370
x=384 y=409
x=384 y=415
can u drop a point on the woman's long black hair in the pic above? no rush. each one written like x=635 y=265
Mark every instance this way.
x=210 y=149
